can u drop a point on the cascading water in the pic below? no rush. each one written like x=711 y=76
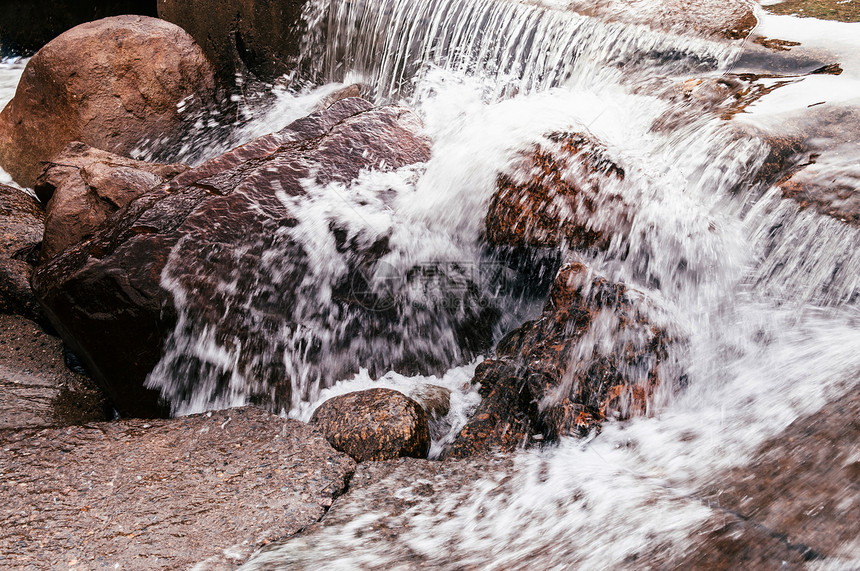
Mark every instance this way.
x=763 y=293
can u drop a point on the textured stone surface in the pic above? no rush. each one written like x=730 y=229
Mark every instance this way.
x=164 y=494
x=551 y=195
x=591 y=355
x=36 y=388
x=21 y=228
x=376 y=424
x=83 y=187
x=261 y=36
x=219 y=219
x=396 y=503
x=113 y=84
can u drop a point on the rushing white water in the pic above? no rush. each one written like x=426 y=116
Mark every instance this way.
x=764 y=292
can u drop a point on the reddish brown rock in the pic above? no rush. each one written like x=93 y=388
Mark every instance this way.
x=376 y=424
x=591 y=355
x=83 y=186
x=204 y=490
x=551 y=196
x=216 y=221
x=113 y=84
x=21 y=228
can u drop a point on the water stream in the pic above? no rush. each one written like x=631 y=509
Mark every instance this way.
x=764 y=293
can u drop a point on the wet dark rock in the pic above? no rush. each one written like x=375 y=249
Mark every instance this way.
x=201 y=490
x=36 y=388
x=435 y=400
x=591 y=355
x=83 y=187
x=21 y=228
x=261 y=36
x=114 y=84
x=217 y=222
x=376 y=424
x=27 y=26
x=551 y=196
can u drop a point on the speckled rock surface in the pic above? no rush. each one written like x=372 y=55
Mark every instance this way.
x=203 y=490
x=376 y=424
x=36 y=388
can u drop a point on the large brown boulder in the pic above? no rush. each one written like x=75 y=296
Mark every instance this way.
x=83 y=186
x=115 y=84
x=376 y=424
x=235 y=273
x=591 y=355
x=21 y=228
x=261 y=36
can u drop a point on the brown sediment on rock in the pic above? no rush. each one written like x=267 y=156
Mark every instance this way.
x=204 y=490
x=375 y=424
x=839 y=10
x=552 y=195
x=554 y=377
x=775 y=44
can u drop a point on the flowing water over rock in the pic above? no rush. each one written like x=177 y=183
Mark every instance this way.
x=762 y=292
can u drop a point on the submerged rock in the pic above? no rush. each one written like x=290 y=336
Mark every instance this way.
x=113 y=84
x=202 y=490
x=21 y=229
x=435 y=400
x=83 y=186
x=234 y=269
x=591 y=355
x=552 y=197
x=376 y=424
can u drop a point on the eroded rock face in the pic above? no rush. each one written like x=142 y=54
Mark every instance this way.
x=376 y=424
x=21 y=228
x=113 y=84
x=224 y=226
x=591 y=355
x=262 y=36
x=163 y=494
x=83 y=186
x=553 y=195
